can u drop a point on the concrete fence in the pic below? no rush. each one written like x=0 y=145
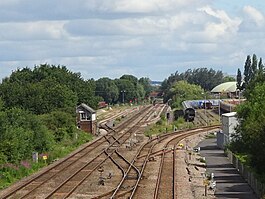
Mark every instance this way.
x=257 y=186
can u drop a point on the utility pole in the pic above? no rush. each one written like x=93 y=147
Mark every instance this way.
x=219 y=108
x=206 y=119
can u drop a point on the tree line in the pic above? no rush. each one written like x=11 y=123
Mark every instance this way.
x=125 y=89
x=250 y=133
x=191 y=84
x=37 y=111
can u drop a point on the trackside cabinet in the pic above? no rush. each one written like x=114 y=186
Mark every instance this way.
x=229 y=123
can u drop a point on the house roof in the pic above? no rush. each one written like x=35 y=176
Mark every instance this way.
x=91 y=110
x=226 y=87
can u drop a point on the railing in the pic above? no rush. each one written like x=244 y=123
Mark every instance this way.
x=254 y=183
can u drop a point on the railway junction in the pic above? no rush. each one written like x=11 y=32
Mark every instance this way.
x=123 y=163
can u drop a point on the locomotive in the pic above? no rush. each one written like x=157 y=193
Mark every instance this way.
x=189 y=111
x=189 y=114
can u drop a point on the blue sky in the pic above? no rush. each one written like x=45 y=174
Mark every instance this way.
x=151 y=38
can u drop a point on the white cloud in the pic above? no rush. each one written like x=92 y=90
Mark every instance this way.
x=140 y=6
x=224 y=27
x=254 y=15
x=40 y=30
x=146 y=38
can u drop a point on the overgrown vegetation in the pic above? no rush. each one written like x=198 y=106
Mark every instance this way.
x=37 y=114
x=162 y=126
x=250 y=135
x=181 y=91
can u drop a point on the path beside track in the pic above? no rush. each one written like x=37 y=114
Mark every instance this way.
x=228 y=180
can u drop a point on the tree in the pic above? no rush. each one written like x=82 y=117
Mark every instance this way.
x=228 y=79
x=61 y=124
x=46 y=88
x=254 y=65
x=260 y=66
x=239 y=79
x=21 y=133
x=146 y=83
x=126 y=90
x=130 y=78
x=247 y=71
x=130 y=89
x=182 y=91
x=107 y=89
x=203 y=77
x=140 y=92
x=251 y=132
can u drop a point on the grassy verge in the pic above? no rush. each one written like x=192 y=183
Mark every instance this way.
x=12 y=172
x=162 y=126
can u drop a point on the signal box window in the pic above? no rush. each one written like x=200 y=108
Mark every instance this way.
x=85 y=116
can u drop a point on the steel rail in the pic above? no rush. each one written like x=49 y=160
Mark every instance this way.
x=51 y=168
x=142 y=171
x=174 y=172
x=177 y=139
x=80 y=182
x=159 y=176
x=23 y=185
x=57 y=173
x=114 y=192
x=97 y=143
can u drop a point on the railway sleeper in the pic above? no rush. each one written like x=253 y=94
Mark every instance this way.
x=114 y=146
x=87 y=170
x=110 y=150
x=138 y=164
x=188 y=170
x=131 y=177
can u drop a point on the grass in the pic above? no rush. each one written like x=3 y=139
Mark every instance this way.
x=202 y=160
x=211 y=135
x=162 y=126
x=11 y=173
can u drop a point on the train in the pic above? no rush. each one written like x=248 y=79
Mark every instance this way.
x=188 y=111
x=227 y=106
x=189 y=114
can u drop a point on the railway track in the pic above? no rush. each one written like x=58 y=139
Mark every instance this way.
x=132 y=178
x=166 y=183
x=211 y=118
x=70 y=177
x=67 y=175
x=131 y=172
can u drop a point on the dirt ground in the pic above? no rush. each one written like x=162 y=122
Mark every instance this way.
x=190 y=175
x=191 y=170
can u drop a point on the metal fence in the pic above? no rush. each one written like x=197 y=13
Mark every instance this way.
x=256 y=185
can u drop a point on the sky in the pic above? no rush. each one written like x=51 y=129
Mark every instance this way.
x=144 y=38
